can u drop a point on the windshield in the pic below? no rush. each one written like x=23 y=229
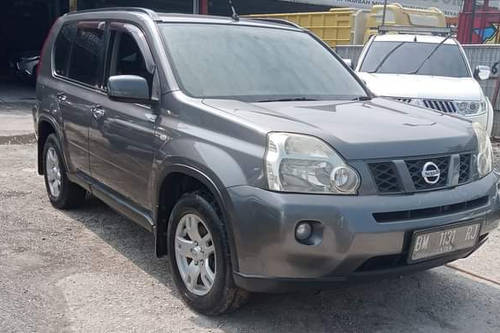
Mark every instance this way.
x=406 y=57
x=255 y=64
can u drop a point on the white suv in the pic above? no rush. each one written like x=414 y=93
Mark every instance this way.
x=426 y=70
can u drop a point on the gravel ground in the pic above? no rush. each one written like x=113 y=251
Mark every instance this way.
x=92 y=270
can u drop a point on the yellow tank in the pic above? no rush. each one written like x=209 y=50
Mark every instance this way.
x=333 y=27
x=399 y=15
x=341 y=26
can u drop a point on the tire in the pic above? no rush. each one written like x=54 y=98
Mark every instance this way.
x=223 y=296
x=69 y=195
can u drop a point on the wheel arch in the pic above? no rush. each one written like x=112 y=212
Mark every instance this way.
x=168 y=193
x=45 y=127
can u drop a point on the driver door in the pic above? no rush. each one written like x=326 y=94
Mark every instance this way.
x=121 y=134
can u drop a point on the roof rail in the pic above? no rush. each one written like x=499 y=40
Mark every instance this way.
x=403 y=29
x=278 y=21
x=149 y=12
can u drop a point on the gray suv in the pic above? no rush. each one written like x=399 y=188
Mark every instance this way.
x=254 y=154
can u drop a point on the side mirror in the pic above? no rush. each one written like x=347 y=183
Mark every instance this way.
x=349 y=63
x=129 y=88
x=482 y=73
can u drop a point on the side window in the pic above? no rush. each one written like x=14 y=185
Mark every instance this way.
x=126 y=56
x=87 y=53
x=62 y=48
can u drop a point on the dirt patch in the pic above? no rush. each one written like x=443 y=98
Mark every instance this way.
x=17 y=139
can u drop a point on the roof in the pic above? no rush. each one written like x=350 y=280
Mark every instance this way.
x=190 y=18
x=412 y=37
x=193 y=18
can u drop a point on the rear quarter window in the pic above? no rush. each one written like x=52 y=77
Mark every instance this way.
x=87 y=53
x=62 y=48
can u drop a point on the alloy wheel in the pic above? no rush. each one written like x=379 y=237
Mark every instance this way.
x=53 y=171
x=195 y=254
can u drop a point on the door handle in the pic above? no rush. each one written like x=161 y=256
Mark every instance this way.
x=97 y=111
x=61 y=97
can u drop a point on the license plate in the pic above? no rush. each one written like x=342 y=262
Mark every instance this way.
x=434 y=242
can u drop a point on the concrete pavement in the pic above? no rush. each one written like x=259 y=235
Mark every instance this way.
x=16 y=121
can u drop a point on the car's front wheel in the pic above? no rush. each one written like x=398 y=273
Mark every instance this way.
x=63 y=194
x=199 y=257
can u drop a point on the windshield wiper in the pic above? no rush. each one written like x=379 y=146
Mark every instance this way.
x=362 y=98
x=387 y=57
x=289 y=99
x=429 y=56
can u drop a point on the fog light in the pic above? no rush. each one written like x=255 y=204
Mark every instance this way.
x=303 y=231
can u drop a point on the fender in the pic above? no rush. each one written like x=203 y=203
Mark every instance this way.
x=211 y=181
x=44 y=117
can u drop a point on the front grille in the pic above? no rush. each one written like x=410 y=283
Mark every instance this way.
x=415 y=168
x=386 y=177
x=429 y=212
x=389 y=181
x=440 y=105
x=465 y=168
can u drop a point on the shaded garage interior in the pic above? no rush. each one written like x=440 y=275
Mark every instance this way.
x=24 y=25
x=179 y=6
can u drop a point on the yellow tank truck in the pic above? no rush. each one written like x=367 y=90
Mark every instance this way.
x=403 y=16
x=344 y=26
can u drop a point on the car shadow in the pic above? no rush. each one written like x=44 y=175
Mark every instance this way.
x=125 y=236
x=437 y=300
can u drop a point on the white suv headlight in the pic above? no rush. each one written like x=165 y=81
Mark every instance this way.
x=484 y=151
x=306 y=164
x=471 y=108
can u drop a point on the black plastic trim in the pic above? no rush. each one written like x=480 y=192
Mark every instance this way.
x=277 y=285
x=412 y=214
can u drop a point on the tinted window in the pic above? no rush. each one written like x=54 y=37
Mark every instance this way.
x=407 y=57
x=126 y=57
x=250 y=63
x=87 y=53
x=62 y=48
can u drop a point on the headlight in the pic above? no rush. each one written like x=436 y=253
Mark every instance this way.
x=484 y=151
x=302 y=163
x=471 y=108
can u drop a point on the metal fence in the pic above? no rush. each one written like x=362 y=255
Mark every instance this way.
x=349 y=52
x=488 y=55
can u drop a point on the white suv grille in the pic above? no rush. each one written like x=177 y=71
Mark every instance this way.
x=435 y=104
x=441 y=105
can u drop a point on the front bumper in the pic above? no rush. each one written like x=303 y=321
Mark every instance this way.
x=354 y=244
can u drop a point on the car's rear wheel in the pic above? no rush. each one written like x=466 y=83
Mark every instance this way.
x=199 y=257
x=63 y=194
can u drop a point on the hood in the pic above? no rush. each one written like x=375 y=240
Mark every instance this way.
x=422 y=86
x=379 y=128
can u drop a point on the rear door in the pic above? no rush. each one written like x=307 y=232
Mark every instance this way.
x=122 y=134
x=78 y=67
